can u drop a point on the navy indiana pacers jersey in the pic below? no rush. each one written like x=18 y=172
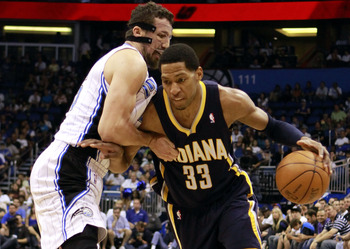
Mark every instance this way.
x=204 y=171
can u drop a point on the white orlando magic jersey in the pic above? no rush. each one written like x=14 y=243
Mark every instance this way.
x=82 y=119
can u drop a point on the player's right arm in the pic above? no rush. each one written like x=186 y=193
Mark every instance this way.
x=126 y=71
x=238 y=106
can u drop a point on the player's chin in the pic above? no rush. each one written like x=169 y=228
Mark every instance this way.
x=154 y=64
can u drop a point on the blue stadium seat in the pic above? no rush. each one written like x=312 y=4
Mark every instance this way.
x=34 y=116
x=21 y=116
x=311 y=120
x=317 y=112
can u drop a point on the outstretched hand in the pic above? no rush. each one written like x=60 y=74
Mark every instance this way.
x=108 y=150
x=316 y=147
x=163 y=148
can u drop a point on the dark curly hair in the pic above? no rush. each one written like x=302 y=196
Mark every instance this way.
x=146 y=13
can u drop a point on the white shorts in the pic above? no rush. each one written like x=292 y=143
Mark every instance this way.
x=66 y=190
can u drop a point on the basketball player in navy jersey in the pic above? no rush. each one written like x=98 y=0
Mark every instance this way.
x=67 y=180
x=210 y=200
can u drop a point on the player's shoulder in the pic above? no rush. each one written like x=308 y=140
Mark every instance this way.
x=229 y=95
x=127 y=58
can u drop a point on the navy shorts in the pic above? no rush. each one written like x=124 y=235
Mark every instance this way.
x=230 y=223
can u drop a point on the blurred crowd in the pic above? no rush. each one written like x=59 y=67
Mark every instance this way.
x=324 y=224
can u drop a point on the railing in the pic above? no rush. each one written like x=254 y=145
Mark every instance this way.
x=153 y=203
x=57 y=51
x=340 y=177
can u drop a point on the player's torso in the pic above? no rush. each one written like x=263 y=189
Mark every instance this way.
x=82 y=119
x=204 y=170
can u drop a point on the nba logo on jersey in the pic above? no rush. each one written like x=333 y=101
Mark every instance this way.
x=212 y=118
x=178 y=213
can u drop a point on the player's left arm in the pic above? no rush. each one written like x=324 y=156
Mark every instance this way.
x=119 y=157
x=238 y=106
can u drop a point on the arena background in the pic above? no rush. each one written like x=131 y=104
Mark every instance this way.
x=243 y=29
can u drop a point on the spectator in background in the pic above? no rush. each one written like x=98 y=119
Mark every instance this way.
x=136 y=214
x=236 y=133
x=342 y=208
x=277 y=63
x=66 y=69
x=54 y=68
x=164 y=241
x=309 y=91
x=307 y=237
x=322 y=91
x=346 y=58
x=267 y=220
x=275 y=94
x=131 y=184
x=46 y=121
x=60 y=99
x=347 y=104
x=34 y=99
x=290 y=238
x=141 y=237
x=40 y=65
x=342 y=139
x=263 y=101
x=135 y=167
x=46 y=99
x=336 y=205
x=336 y=224
x=304 y=110
x=32 y=224
x=322 y=219
x=279 y=225
x=338 y=115
x=255 y=64
x=114 y=179
x=297 y=92
x=11 y=146
x=335 y=92
x=334 y=59
x=304 y=129
x=250 y=163
x=12 y=211
x=19 y=208
x=4 y=200
x=118 y=228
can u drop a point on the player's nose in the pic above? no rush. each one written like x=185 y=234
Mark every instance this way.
x=174 y=89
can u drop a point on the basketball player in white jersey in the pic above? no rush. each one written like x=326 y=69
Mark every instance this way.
x=66 y=180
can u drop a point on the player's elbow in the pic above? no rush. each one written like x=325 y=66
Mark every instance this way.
x=109 y=132
x=118 y=167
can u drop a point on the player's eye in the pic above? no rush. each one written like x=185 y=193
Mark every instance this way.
x=180 y=80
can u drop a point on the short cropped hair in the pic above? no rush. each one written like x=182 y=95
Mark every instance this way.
x=146 y=13
x=180 y=52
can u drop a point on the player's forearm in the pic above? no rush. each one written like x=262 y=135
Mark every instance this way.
x=282 y=132
x=122 y=162
x=124 y=133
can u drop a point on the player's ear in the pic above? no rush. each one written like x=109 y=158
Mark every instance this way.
x=199 y=73
x=137 y=31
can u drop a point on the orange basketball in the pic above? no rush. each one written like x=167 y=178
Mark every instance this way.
x=301 y=177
